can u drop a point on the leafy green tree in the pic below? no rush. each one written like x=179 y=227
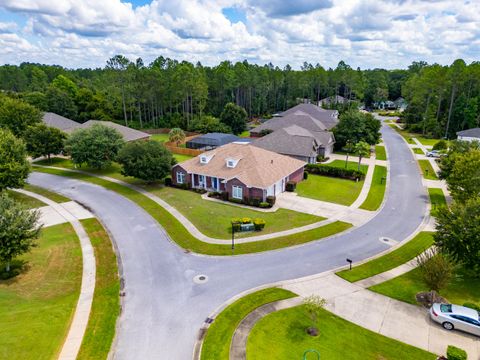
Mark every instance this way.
x=457 y=235
x=18 y=229
x=436 y=270
x=17 y=115
x=96 y=146
x=37 y=99
x=61 y=102
x=177 y=136
x=457 y=150
x=146 y=160
x=362 y=149
x=44 y=140
x=355 y=126
x=314 y=305
x=14 y=166
x=208 y=124
x=235 y=117
x=464 y=180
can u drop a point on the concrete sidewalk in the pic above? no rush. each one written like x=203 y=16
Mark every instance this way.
x=69 y=213
x=50 y=215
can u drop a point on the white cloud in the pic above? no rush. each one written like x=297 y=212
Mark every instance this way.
x=366 y=33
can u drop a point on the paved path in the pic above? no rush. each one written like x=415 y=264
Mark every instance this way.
x=164 y=308
x=49 y=215
x=74 y=338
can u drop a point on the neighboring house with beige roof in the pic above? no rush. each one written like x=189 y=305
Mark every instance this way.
x=244 y=171
x=68 y=126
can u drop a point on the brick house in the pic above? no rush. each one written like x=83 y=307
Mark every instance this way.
x=244 y=171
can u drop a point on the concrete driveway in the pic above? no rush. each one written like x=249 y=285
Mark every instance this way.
x=164 y=308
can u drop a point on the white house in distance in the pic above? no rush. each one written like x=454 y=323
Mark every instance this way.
x=469 y=135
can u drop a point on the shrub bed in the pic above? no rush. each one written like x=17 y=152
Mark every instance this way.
x=333 y=171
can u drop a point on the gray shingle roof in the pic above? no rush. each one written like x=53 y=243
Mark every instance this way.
x=329 y=118
x=295 y=140
x=60 y=122
x=475 y=132
x=128 y=134
x=297 y=118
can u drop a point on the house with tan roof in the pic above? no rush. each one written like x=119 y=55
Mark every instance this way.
x=244 y=171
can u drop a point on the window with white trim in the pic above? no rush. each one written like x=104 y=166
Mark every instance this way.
x=180 y=177
x=237 y=192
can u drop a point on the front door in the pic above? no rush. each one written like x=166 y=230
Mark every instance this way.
x=201 y=181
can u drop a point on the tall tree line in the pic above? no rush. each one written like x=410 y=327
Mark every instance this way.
x=169 y=93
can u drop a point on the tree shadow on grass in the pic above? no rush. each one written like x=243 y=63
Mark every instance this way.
x=17 y=267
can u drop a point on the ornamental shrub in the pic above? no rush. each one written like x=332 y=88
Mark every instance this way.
x=271 y=200
x=290 y=187
x=440 y=145
x=258 y=224
x=264 y=205
x=333 y=171
x=246 y=220
x=454 y=353
x=305 y=175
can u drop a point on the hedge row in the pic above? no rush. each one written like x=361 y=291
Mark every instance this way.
x=333 y=171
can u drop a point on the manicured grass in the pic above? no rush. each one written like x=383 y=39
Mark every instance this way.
x=160 y=137
x=106 y=304
x=377 y=189
x=380 y=152
x=216 y=345
x=391 y=260
x=47 y=193
x=408 y=136
x=181 y=158
x=463 y=288
x=351 y=165
x=183 y=238
x=245 y=134
x=437 y=198
x=341 y=152
x=27 y=201
x=282 y=335
x=214 y=219
x=427 y=170
x=418 y=151
x=335 y=190
x=425 y=141
x=37 y=306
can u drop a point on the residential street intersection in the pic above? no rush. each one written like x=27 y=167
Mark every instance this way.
x=163 y=308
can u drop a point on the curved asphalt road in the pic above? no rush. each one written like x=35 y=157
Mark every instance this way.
x=164 y=308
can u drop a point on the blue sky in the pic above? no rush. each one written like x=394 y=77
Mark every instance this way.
x=365 y=33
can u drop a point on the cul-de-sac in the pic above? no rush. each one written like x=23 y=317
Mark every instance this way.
x=239 y=180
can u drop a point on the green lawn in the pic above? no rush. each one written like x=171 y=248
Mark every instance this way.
x=380 y=152
x=183 y=238
x=341 y=152
x=214 y=219
x=351 y=165
x=463 y=288
x=427 y=170
x=437 y=198
x=245 y=134
x=181 y=158
x=216 y=345
x=106 y=305
x=408 y=136
x=425 y=141
x=25 y=200
x=160 y=137
x=377 y=189
x=37 y=306
x=47 y=193
x=281 y=335
x=418 y=151
x=335 y=190
x=391 y=260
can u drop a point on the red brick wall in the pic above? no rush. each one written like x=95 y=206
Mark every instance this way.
x=297 y=176
x=236 y=182
x=256 y=193
x=178 y=168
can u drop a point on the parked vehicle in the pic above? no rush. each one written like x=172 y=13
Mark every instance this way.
x=433 y=153
x=456 y=317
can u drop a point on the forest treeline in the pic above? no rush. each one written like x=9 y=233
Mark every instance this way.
x=169 y=93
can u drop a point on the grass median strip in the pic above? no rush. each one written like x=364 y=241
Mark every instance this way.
x=395 y=258
x=380 y=153
x=106 y=304
x=183 y=238
x=216 y=345
x=418 y=151
x=437 y=198
x=377 y=189
x=282 y=335
x=427 y=170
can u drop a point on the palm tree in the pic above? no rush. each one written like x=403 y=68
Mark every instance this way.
x=362 y=149
x=176 y=135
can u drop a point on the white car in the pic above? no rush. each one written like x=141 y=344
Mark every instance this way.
x=456 y=317
x=434 y=154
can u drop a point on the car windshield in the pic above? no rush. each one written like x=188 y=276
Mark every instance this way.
x=446 y=308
